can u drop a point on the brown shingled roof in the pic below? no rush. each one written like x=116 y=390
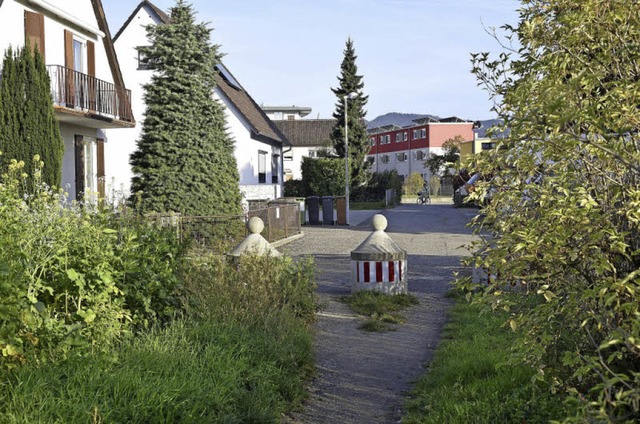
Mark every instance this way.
x=261 y=126
x=307 y=132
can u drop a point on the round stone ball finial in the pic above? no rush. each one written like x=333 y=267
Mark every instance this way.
x=379 y=222
x=255 y=225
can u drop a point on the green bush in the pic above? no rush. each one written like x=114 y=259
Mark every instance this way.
x=72 y=278
x=375 y=189
x=323 y=176
x=294 y=188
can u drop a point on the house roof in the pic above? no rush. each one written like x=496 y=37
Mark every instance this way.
x=261 y=126
x=307 y=132
x=155 y=10
x=108 y=44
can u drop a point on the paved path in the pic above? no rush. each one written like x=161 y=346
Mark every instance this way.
x=363 y=377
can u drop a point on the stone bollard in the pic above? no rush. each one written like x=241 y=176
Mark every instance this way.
x=378 y=263
x=255 y=244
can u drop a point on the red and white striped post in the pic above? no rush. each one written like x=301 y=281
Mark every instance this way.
x=378 y=263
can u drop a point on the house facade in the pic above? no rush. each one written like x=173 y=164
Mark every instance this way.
x=90 y=98
x=278 y=113
x=307 y=137
x=258 y=142
x=405 y=149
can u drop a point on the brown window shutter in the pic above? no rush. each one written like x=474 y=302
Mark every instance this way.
x=68 y=63
x=91 y=71
x=101 y=174
x=91 y=58
x=79 y=156
x=34 y=30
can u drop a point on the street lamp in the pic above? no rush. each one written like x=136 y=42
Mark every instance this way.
x=346 y=97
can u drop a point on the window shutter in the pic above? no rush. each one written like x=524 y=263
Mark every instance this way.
x=34 y=30
x=68 y=63
x=79 y=156
x=91 y=71
x=101 y=173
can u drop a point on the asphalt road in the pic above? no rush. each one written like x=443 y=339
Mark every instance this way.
x=364 y=377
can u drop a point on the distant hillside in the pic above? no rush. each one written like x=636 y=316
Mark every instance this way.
x=395 y=118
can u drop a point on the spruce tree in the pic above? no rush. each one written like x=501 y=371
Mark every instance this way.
x=28 y=125
x=184 y=160
x=351 y=82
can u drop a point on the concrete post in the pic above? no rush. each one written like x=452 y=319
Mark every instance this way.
x=255 y=244
x=378 y=263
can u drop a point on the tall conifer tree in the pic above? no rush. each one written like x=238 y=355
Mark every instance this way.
x=28 y=125
x=351 y=82
x=184 y=160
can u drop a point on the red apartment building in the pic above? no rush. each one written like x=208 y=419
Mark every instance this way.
x=405 y=149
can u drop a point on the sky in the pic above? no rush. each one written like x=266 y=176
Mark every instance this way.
x=414 y=55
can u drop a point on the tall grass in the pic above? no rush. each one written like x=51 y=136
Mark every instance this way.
x=241 y=355
x=471 y=381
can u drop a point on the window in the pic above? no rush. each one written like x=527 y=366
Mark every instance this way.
x=423 y=133
x=288 y=158
x=274 y=168
x=312 y=154
x=405 y=136
x=385 y=139
x=384 y=158
x=420 y=155
x=401 y=157
x=371 y=160
x=262 y=167
x=488 y=146
x=398 y=137
x=143 y=63
x=372 y=141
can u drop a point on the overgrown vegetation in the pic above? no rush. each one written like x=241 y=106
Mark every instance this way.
x=381 y=310
x=105 y=318
x=470 y=379
x=28 y=126
x=564 y=219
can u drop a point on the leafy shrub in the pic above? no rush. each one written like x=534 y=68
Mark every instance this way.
x=72 y=278
x=294 y=188
x=323 y=176
x=375 y=188
x=413 y=184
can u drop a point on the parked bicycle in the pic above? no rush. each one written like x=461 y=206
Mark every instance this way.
x=424 y=195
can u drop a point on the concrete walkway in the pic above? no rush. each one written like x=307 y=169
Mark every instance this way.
x=364 y=377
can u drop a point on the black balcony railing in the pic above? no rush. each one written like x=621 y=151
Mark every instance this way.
x=78 y=91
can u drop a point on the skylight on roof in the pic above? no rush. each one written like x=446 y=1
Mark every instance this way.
x=227 y=76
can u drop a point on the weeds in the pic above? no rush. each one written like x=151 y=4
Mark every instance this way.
x=380 y=309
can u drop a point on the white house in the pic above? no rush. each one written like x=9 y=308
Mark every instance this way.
x=258 y=142
x=307 y=137
x=86 y=84
x=278 y=113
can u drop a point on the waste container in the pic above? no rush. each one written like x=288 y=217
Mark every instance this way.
x=313 y=206
x=341 y=210
x=327 y=210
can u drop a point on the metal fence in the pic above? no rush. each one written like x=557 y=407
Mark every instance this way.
x=222 y=233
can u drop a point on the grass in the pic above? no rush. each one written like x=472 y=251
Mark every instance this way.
x=365 y=206
x=242 y=355
x=381 y=310
x=470 y=381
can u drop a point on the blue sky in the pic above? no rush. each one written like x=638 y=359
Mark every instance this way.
x=414 y=55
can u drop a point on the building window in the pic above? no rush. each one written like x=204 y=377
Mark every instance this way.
x=288 y=158
x=371 y=160
x=405 y=136
x=398 y=137
x=274 y=168
x=372 y=140
x=143 y=62
x=488 y=146
x=262 y=167
x=421 y=155
x=384 y=158
x=423 y=133
x=401 y=157
x=312 y=154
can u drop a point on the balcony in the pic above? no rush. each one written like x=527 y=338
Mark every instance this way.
x=88 y=101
